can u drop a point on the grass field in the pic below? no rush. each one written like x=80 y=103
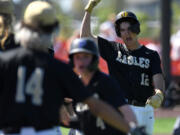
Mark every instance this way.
x=162 y=126
x=64 y=131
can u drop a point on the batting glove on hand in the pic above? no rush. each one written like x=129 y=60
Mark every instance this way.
x=91 y=4
x=138 y=131
x=156 y=100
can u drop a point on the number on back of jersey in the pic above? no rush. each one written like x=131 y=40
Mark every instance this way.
x=33 y=87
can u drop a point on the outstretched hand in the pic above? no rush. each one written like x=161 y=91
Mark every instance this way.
x=91 y=4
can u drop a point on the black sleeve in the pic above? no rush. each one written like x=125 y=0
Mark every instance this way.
x=105 y=48
x=117 y=94
x=156 y=64
x=74 y=86
x=113 y=93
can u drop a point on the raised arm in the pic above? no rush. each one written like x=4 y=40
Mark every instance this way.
x=86 y=25
x=128 y=113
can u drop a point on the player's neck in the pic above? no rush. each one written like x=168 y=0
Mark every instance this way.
x=133 y=46
x=86 y=77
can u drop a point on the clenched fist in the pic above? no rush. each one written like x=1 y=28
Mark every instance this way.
x=91 y=4
x=156 y=100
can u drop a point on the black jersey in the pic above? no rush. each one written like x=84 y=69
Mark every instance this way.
x=133 y=69
x=32 y=87
x=108 y=90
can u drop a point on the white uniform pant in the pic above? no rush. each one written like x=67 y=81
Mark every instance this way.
x=145 y=117
x=74 y=132
x=176 y=130
x=32 y=131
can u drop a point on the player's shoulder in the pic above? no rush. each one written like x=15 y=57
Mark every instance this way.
x=106 y=78
x=60 y=62
x=61 y=66
x=10 y=54
x=144 y=48
x=102 y=75
x=104 y=41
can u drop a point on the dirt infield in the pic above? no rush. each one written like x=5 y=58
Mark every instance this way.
x=170 y=112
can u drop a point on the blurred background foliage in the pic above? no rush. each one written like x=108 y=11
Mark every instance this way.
x=70 y=14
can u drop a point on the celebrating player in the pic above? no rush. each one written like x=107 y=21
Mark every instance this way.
x=135 y=67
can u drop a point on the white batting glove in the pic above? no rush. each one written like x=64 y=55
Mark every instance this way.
x=156 y=100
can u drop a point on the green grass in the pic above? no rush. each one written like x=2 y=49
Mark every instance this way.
x=64 y=131
x=162 y=125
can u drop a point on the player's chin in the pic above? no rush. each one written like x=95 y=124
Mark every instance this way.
x=82 y=70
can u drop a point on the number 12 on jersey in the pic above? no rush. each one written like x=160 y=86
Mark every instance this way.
x=32 y=87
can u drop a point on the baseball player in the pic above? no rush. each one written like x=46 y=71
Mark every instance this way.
x=84 y=57
x=6 y=17
x=33 y=84
x=135 y=67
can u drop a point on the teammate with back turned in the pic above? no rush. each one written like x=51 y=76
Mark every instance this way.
x=33 y=84
x=135 y=67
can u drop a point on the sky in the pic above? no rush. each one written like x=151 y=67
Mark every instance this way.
x=65 y=5
x=16 y=1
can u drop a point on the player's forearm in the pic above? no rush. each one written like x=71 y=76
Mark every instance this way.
x=159 y=82
x=86 y=26
x=128 y=114
x=85 y=30
x=108 y=114
x=159 y=85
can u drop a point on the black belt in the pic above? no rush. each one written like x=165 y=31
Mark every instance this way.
x=15 y=130
x=136 y=103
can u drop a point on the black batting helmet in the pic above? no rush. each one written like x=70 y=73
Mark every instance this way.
x=88 y=46
x=129 y=17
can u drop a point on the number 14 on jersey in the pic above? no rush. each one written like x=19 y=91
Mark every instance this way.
x=32 y=87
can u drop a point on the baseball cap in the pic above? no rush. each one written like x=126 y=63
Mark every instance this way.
x=39 y=13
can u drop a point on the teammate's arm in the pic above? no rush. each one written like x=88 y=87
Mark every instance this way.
x=64 y=115
x=86 y=26
x=158 y=82
x=128 y=114
x=112 y=117
x=108 y=114
x=159 y=86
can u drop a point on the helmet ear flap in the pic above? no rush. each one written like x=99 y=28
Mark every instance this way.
x=71 y=63
x=117 y=29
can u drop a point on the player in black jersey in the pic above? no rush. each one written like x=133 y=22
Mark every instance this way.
x=33 y=84
x=84 y=57
x=6 y=18
x=135 y=67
